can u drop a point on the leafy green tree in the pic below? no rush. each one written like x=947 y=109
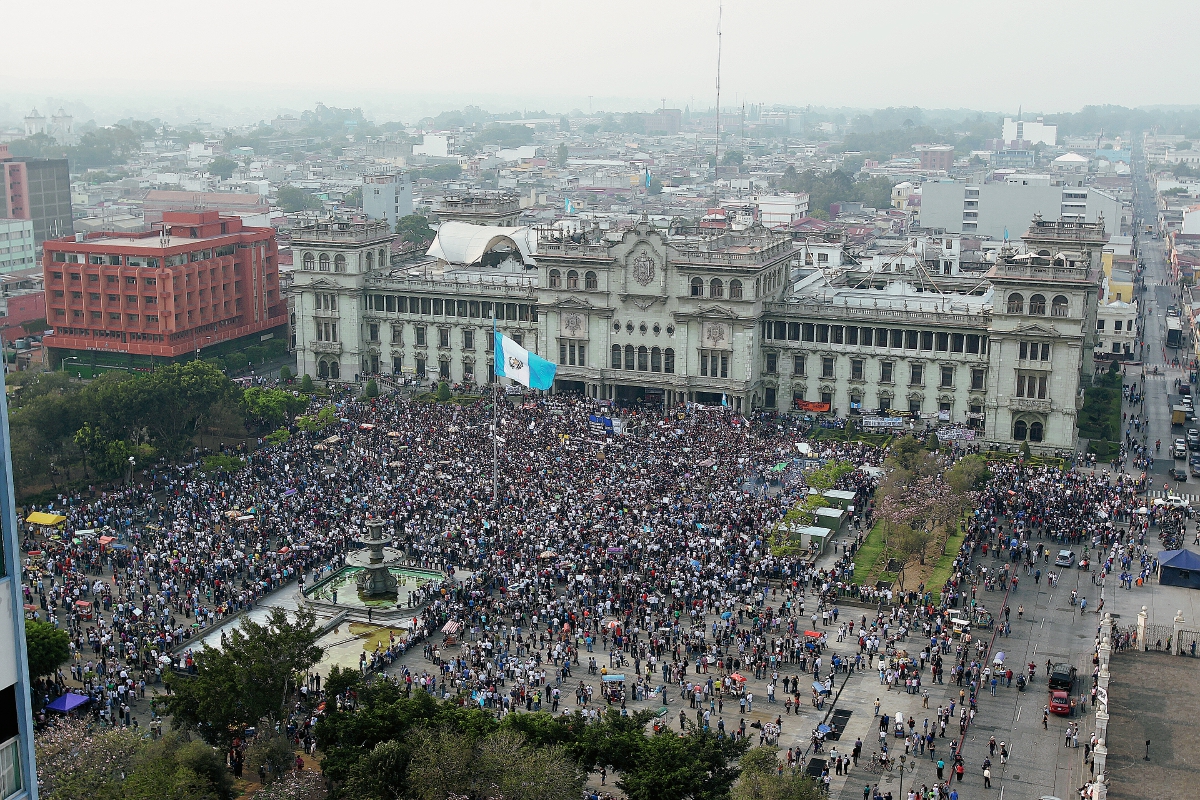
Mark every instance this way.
x=271 y=407
x=414 y=228
x=222 y=167
x=293 y=199
x=256 y=354
x=285 y=373
x=46 y=646
x=761 y=779
x=353 y=198
x=306 y=383
x=562 y=155
x=372 y=389
x=278 y=437
x=248 y=679
x=733 y=158
x=274 y=752
x=73 y=762
x=443 y=392
x=673 y=767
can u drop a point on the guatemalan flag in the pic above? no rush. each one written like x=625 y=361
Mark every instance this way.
x=516 y=363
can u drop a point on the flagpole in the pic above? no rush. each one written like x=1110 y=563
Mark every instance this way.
x=495 y=416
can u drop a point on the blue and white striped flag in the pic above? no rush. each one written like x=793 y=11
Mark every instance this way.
x=518 y=364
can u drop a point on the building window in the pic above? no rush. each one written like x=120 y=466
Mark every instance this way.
x=916 y=376
x=1031 y=385
x=373 y=332
x=572 y=353
x=856 y=369
x=799 y=362
x=978 y=379
x=398 y=364
x=1037 y=305
x=590 y=281
x=468 y=340
x=914 y=405
x=443 y=337
x=1059 y=308
x=1016 y=303
x=339 y=263
x=714 y=364
x=420 y=367
x=420 y=335
x=735 y=289
x=324 y=262
x=615 y=363
x=397 y=334
x=630 y=355
x=655 y=359
x=444 y=369
x=769 y=397
x=643 y=359
x=519 y=338
x=1020 y=430
x=716 y=288
x=697 y=287
x=1035 y=431
x=885 y=371
x=309 y=261
x=572 y=279
x=947 y=377
x=827 y=366
x=669 y=361
x=772 y=363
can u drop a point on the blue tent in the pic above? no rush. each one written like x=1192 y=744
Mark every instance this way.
x=68 y=702
x=1179 y=568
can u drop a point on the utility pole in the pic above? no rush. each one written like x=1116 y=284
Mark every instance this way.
x=717 y=144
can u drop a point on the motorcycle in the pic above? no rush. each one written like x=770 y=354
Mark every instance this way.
x=1021 y=683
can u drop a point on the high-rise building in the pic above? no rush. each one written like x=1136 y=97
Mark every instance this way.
x=37 y=189
x=1032 y=132
x=144 y=298
x=18 y=780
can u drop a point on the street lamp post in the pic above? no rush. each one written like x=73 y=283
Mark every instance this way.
x=131 y=463
x=903 y=758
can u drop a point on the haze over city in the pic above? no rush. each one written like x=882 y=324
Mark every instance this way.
x=599 y=401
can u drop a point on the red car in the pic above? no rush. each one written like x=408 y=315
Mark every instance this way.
x=1060 y=703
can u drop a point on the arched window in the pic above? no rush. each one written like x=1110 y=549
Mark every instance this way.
x=697 y=287
x=616 y=356
x=572 y=279
x=1020 y=430
x=383 y=260
x=716 y=288
x=1037 y=305
x=1059 y=307
x=669 y=361
x=1035 y=432
x=309 y=262
x=335 y=370
x=1016 y=303
x=655 y=359
x=322 y=369
x=643 y=359
x=590 y=281
x=339 y=262
x=324 y=261
x=629 y=356
x=735 y=289
x=555 y=279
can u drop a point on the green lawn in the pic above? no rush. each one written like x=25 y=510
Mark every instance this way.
x=945 y=565
x=867 y=555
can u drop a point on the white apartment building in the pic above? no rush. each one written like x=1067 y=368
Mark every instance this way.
x=1116 y=330
x=17 y=248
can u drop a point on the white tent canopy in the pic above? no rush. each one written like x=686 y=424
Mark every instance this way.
x=460 y=243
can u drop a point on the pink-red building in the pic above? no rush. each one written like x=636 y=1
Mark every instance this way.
x=199 y=281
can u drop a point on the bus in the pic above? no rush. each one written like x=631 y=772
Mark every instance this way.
x=1174 y=332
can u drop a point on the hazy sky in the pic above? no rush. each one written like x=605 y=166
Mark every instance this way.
x=246 y=60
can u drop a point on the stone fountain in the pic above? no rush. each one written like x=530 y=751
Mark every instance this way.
x=376 y=581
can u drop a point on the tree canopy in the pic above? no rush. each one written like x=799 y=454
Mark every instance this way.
x=248 y=678
x=46 y=647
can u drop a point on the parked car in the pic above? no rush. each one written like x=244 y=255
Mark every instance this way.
x=1066 y=558
x=1193 y=439
x=1062 y=677
x=1178 y=474
x=1060 y=703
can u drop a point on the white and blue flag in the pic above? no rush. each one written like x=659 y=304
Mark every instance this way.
x=518 y=364
x=568 y=206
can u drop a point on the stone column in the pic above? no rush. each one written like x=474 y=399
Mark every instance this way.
x=1141 y=629
x=1098 y=760
x=1176 y=631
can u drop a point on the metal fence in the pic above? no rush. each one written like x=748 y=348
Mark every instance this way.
x=1157 y=637
x=1188 y=644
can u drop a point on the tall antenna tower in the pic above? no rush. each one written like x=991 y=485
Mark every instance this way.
x=717 y=146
